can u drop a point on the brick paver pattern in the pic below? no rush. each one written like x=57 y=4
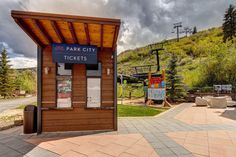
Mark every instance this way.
x=98 y=145
x=183 y=131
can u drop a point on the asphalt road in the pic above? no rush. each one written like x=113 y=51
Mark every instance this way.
x=13 y=103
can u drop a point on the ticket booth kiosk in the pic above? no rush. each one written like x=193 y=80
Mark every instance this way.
x=76 y=85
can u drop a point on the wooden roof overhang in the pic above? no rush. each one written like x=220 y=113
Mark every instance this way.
x=46 y=28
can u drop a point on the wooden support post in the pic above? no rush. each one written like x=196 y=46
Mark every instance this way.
x=39 y=90
x=115 y=88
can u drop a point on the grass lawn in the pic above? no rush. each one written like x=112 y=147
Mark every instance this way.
x=138 y=111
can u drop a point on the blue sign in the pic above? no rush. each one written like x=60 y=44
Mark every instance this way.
x=74 y=53
x=156 y=93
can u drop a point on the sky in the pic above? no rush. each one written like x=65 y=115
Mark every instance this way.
x=143 y=21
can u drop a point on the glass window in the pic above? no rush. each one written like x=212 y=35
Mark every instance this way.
x=64 y=69
x=63 y=92
x=94 y=69
x=64 y=87
x=94 y=73
x=93 y=92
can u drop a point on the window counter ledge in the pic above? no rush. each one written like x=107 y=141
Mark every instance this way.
x=56 y=108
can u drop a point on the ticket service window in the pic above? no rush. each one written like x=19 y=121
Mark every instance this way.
x=64 y=85
x=65 y=56
x=94 y=73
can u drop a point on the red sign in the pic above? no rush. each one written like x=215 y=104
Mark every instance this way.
x=155 y=80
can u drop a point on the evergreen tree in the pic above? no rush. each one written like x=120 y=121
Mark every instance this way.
x=6 y=83
x=229 y=25
x=194 y=30
x=175 y=87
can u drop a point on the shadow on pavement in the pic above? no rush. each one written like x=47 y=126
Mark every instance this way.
x=15 y=144
x=230 y=113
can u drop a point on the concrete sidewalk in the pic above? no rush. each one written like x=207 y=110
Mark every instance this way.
x=183 y=131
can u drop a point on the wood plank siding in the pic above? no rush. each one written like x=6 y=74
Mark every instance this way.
x=78 y=117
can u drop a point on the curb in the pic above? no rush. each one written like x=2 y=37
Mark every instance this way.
x=9 y=125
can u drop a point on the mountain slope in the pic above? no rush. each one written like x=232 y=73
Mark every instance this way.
x=196 y=54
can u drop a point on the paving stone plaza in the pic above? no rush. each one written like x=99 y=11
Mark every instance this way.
x=183 y=131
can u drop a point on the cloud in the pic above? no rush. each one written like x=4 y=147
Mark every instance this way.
x=143 y=22
x=17 y=61
x=10 y=33
x=22 y=62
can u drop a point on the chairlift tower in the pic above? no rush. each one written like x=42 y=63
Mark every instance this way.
x=187 y=31
x=156 y=51
x=177 y=26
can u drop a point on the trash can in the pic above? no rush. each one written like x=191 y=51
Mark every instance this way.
x=30 y=119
